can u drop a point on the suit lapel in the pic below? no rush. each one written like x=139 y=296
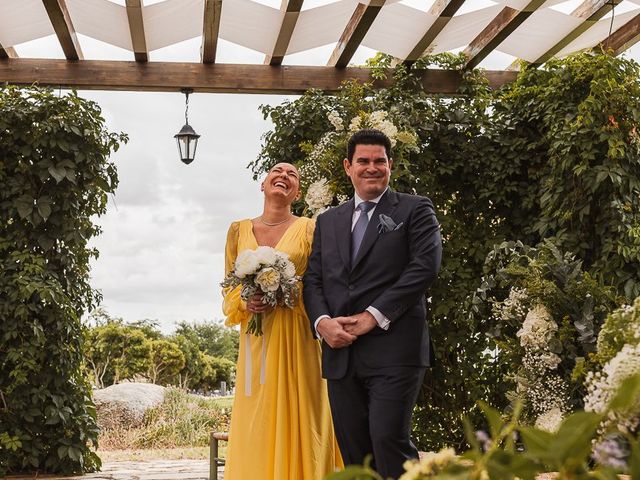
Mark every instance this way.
x=343 y=231
x=386 y=206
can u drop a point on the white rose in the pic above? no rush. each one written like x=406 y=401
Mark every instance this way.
x=246 y=263
x=268 y=279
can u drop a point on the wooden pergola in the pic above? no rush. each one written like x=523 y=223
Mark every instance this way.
x=388 y=26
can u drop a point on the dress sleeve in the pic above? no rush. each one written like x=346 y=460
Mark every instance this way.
x=233 y=307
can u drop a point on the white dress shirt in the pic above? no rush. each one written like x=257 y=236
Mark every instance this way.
x=383 y=322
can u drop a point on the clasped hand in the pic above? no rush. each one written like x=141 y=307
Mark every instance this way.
x=256 y=305
x=340 y=332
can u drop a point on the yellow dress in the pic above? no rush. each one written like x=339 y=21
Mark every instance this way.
x=281 y=425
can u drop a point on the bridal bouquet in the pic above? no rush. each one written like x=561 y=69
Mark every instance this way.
x=268 y=272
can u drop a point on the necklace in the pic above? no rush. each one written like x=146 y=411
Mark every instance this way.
x=275 y=223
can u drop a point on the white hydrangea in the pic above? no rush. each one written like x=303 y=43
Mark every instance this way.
x=335 y=120
x=355 y=123
x=550 y=360
x=514 y=305
x=550 y=420
x=379 y=120
x=319 y=195
x=602 y=386
x=538 y=328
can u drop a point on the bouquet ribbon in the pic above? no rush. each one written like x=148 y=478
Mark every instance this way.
x=248 y=368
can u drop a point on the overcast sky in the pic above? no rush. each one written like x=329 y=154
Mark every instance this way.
x=162 y=249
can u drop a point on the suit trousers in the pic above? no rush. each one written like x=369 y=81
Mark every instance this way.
x=371 y=409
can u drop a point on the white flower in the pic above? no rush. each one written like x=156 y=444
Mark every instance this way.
x=550 y=421
x=538 y=328
x=603 y=386
x=266 y=255
x=268 y=279
x=289 y=270
x=318 y=212
x=354 y=126
x=246 y=264
x=551 y=360
x=319 y=195
x=335 y=120
x=430 y=464
x=407 y=137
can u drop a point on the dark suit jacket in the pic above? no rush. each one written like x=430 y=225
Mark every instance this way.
x=392 y=272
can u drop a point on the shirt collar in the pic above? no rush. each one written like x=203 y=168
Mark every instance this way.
x=357 y=200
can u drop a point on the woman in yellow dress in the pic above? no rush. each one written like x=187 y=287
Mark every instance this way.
x=281 y=426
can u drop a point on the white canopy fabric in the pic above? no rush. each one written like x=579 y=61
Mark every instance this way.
x=396 y=29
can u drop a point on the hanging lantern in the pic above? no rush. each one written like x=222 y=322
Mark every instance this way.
x=187 y=138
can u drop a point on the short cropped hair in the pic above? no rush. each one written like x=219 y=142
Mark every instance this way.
x=368 y=136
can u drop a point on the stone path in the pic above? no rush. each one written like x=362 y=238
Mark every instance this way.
x=153 y=470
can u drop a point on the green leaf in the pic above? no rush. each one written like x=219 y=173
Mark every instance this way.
x=536 y=443
x=44 y=209
x=627 y=395
x=75 y=454
x=24 y=206
x=63 y=451
x=494 y=418
x=58 y=173
x=46 y=242
x=573 y=439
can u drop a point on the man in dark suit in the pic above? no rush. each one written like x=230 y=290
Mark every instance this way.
x=372 y=260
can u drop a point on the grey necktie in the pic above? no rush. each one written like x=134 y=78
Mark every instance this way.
x=360 y=227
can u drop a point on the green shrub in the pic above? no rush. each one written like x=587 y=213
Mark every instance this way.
x=55 y=177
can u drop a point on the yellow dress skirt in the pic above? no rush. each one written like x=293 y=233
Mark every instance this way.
x=281 y=426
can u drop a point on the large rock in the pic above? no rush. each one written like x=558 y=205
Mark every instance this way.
x=123 y=405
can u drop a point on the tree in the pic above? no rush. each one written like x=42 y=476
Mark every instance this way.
x=192 y=372
x=212 y=337
x=216 y=370
x=116 y=352
x=165 y=361
x=55 y=177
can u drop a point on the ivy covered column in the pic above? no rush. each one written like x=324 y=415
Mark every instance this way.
x=55 y=175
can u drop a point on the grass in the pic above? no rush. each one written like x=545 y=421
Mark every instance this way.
x=182 y=422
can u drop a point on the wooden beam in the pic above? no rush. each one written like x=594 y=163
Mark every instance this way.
x=445 y=10
x=358 y=26
x=623 y=38
x=503 y=25
x=590 y=11
x=136 y=26
x=210 y=30
x=291 y=12
x=217 y=77
x=63 y=26
x=7 y=52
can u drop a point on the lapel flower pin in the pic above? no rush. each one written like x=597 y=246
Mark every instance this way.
x=386 y=224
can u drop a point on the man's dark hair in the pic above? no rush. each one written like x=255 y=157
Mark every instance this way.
x=368 y=136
